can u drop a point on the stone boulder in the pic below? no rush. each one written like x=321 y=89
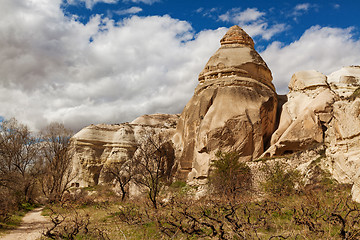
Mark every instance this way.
x=103 y=145
x=233 y=108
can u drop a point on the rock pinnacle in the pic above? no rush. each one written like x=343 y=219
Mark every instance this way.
x=236 y=35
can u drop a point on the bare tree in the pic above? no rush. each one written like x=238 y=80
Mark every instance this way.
x=57 y=166
x=122 y=173
x=18 y=155
x=154 y=160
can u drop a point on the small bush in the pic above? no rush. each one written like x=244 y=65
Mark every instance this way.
x=28 y=207
x=280 y=182
x=230 y=177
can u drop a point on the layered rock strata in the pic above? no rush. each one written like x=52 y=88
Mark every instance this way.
x=233 y=108
x=103 y=145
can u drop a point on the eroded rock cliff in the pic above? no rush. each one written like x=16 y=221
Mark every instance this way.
x=323 y=111
x=303 y=118
x=342 y=138
x=102 y=145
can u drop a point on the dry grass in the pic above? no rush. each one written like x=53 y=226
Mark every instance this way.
x=316 y=212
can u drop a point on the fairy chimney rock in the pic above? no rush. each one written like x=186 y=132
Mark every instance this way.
x=236 y=58
x=233 y=108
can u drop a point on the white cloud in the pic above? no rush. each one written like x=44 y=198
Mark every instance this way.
x=207 y=12
x=262 y=29
x=51 y=71
x=249 y=15
x=302 y=7
x=90 y=3
x=235 y=15
x=253 y=22
x=132 y=10
x=199 y=10
x=321 y=48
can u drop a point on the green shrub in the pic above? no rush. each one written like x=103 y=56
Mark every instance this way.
x=280 y=182
x=28 y=206
x=230 y=177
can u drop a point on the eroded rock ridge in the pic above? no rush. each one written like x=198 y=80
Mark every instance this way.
x=103 y=145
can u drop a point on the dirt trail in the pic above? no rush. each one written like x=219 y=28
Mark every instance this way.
x=33 y=224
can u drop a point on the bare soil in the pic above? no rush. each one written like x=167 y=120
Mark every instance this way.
x=31 y=228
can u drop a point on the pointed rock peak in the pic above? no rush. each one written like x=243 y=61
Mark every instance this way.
x=236 y=58
x=236 y=35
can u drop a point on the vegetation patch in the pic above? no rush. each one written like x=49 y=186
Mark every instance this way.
x=279 y=181
x=322 y=213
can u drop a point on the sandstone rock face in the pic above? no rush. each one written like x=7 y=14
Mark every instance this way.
x=98 y=146
x=233 y=108
x=343 y=144
x=323 y=110
x=345 y=81
x=304 y=115
x=161 y=120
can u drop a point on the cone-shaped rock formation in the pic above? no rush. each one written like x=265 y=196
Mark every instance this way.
x=233 y=108
x=237 y=58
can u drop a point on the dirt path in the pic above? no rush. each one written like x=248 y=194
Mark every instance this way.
x=33 y=224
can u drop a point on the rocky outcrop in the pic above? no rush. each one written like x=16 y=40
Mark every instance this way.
x=345 y=81
x=158 y=120
x=323 y=111
x=342 y=137
x=233 y=108
x=304 y=115
x=102 y=145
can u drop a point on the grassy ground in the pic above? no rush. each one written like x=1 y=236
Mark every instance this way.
x=319 y=212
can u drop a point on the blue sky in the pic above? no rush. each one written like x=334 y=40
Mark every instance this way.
x=109 y=61
x=296 y=16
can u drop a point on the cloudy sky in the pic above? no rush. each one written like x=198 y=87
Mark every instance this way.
x=109 y=61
